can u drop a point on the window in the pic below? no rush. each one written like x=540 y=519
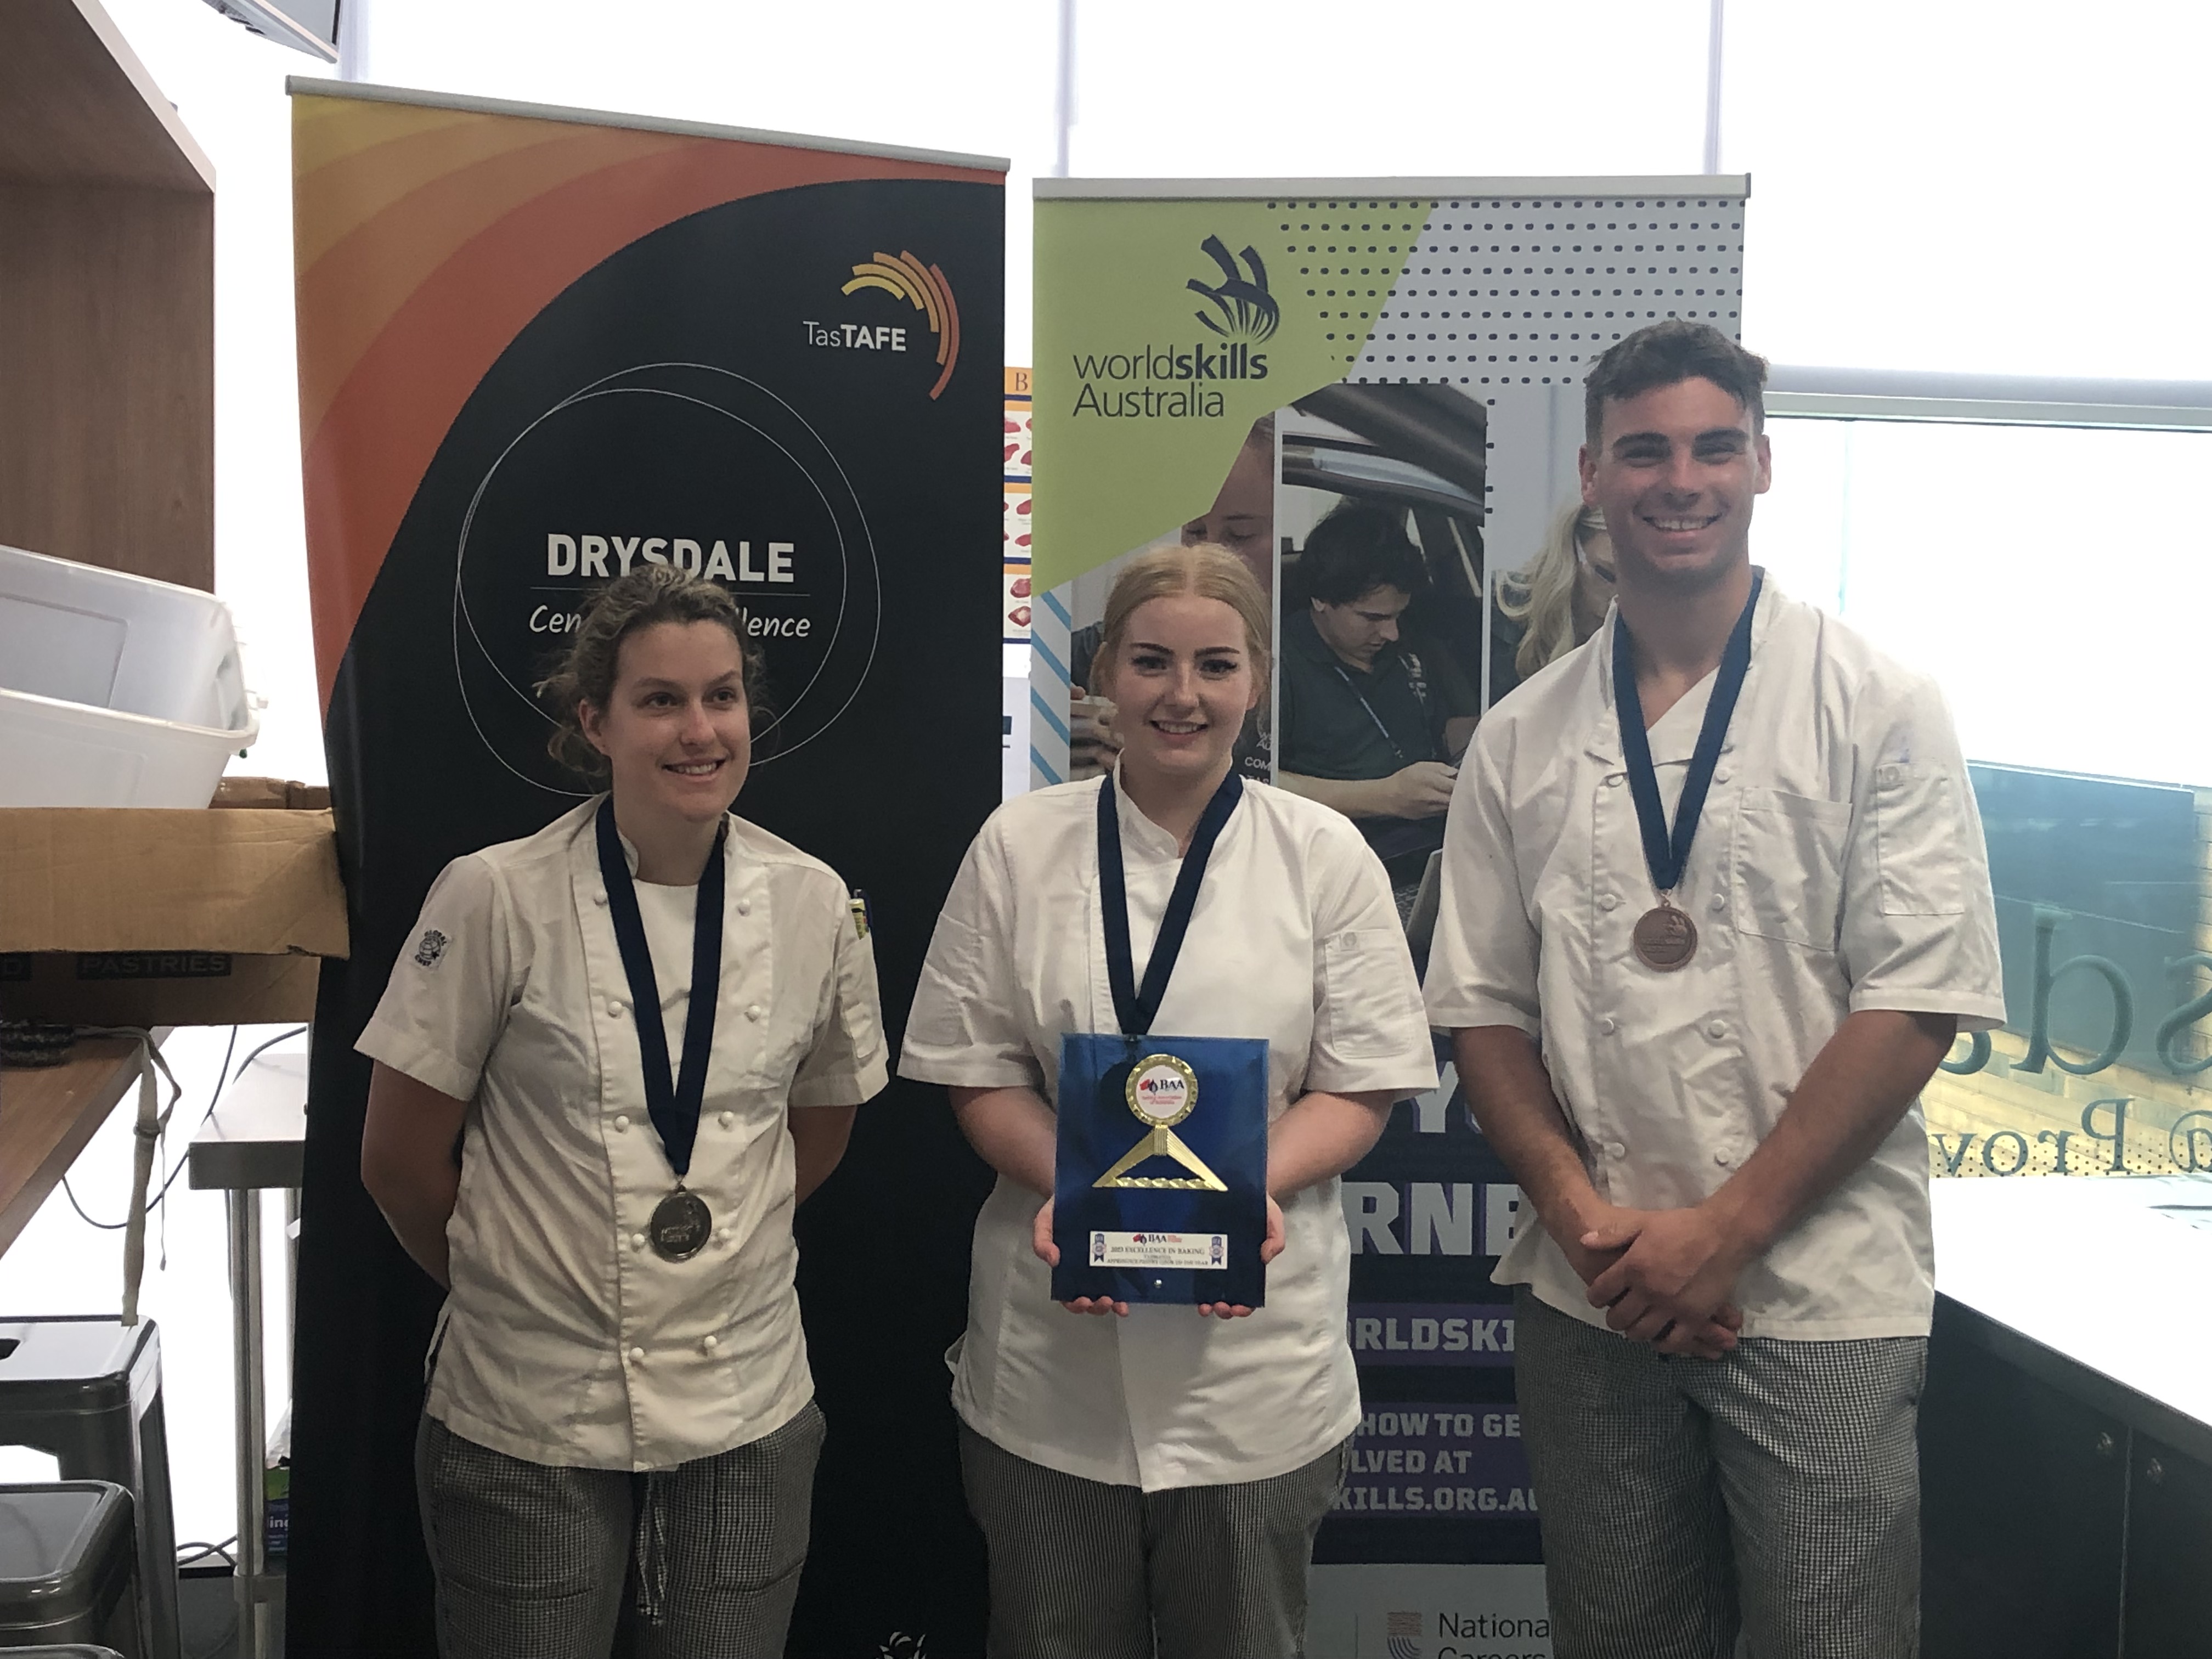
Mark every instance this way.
x=2052 y=580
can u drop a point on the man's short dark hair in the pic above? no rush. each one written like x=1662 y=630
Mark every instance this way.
x=1666 y=354
x=1357 y=549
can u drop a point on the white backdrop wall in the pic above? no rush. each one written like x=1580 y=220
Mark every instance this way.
x=2005 y=164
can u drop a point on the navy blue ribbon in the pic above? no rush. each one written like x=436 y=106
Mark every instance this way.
x=1137 y=1008
x=1667 y=853
x=673 y=1100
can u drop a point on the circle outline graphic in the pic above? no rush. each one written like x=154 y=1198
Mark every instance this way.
x=855 y=549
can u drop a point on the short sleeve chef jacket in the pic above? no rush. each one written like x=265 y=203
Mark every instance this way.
x=1295 y=941
x=568 y=1342
x=1838 y=866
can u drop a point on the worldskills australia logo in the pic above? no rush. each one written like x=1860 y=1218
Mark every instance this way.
x=923 y=286
x=1238 y=306
x=1174 y=379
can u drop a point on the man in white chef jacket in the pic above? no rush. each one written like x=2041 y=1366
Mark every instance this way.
x=1700 y=1054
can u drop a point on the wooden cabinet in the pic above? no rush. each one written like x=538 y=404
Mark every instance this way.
x=106 y=304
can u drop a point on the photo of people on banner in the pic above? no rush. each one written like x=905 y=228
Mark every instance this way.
x=1359 y=510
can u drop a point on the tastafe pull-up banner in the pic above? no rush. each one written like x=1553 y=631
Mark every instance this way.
x=537 y=347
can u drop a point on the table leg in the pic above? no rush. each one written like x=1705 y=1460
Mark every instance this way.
x=244 y=1207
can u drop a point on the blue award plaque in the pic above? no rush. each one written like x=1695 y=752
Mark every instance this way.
x=1160 y=1184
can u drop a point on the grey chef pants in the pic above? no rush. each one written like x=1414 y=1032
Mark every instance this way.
x=1773 y=1494
x=1085 y=1570
x=537 y=1563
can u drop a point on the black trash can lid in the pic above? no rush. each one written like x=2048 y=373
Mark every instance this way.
x=57 y=1545
x=72 y=1363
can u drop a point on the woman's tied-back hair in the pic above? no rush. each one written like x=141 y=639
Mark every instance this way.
x=650 y=593
x=1541 y=597
x=1206 y=568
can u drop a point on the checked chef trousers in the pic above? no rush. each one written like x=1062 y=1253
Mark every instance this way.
x=1773 y=1494
x=701 y=1561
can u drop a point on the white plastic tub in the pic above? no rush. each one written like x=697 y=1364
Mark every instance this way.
x=115 y=691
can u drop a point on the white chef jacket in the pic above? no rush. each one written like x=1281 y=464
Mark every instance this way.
x=1295 y=941
x=1838 y=866
x=567 y=1341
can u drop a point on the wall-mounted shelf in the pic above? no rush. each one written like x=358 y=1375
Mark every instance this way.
x=106 y=304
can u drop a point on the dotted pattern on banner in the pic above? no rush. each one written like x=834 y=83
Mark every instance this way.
x=1503 y=292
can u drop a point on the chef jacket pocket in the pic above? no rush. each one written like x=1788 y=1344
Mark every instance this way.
x=1918 y=824
x=1368 y=1004
x=1789 y=866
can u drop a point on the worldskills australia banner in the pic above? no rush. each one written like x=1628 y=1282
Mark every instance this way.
x=538 y=348
x=1247 y=362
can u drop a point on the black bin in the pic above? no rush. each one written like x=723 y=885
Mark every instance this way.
x=69 y=1568
x=87 y=1389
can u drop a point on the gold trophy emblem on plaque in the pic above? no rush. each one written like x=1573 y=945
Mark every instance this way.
x=1162 y=1092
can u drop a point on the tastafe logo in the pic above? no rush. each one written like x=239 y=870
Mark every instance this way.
x=924 y=288
x=1402 y=1632
x=1242 y=308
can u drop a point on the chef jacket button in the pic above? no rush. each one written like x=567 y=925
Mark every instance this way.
x=636 y=1355
x=1720 y=901
x=637 y=1241
x=621 y=1121
x=1715 y=1029
x=1721 y=776
x=1609 y=902
x=707 y=1344
x=1609 y=1025
x=614 y=1011
x=721 y=1235
x=599 y=897
x=753 y=1012
x=1612 y=781
x=1616 y=1149
x=1724 y=1159
x=727 y=1119
x=744 y=907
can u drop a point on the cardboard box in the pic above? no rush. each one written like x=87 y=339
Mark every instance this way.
x=125 y=916
x=271 y=794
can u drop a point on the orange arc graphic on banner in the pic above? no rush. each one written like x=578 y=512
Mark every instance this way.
x=428 y=239
x=924 y=288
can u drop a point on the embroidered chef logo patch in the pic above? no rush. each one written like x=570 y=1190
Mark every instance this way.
x=430 y=949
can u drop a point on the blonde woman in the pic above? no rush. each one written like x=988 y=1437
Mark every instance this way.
x=1149 y=1479
x=1560 y=600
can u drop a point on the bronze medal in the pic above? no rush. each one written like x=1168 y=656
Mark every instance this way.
x=1665 y=939
x=679 y=1227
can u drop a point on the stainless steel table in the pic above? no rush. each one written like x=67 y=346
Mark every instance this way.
x=254 y=1141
